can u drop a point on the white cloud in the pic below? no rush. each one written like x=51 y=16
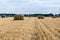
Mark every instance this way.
x=4 y=1
x=52 y=5
x=27 y=5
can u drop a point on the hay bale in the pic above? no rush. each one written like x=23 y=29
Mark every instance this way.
x=40 y=17
x=3 y=16
x=18 y=17
x=54 y=17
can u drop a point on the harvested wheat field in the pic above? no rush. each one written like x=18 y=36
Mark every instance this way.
x=30 y=29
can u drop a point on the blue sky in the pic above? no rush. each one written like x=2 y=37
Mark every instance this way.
x=30 y=6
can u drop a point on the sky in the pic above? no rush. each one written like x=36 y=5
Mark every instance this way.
x=30 y=6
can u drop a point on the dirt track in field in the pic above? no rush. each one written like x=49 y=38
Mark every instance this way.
x=30 y=29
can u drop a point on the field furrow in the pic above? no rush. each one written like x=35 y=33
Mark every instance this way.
x=30 y=29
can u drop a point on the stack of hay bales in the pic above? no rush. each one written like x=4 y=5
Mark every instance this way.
x=18 y=17
x=40 y=17
x=54 y=17
x=3 y=16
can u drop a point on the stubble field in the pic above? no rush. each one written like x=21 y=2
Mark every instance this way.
x=30 y=29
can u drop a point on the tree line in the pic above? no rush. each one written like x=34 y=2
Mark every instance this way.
x=30 y=15
x=46 y=15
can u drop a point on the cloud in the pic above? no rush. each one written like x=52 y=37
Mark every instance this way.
x=31 y=6
x=4 y=1
x=51 y=3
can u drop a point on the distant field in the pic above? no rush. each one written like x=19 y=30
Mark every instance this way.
x=30 y=29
